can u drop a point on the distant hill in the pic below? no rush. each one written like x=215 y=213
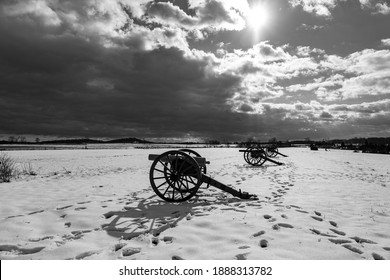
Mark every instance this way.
x=80 y=141
x=72 y=141
x=371 y=140
x=128 y=141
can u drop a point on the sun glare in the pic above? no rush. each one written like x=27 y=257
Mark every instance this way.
x=258 y=17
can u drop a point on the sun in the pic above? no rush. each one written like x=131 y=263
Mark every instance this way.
x=258 y=17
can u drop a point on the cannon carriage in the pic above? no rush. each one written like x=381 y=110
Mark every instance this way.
x=176 y=176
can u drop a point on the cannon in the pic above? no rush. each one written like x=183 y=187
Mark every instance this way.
x=272 y=151
x=258 y=155
x=176 y=175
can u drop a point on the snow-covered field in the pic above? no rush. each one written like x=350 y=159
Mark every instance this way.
x=98 y=204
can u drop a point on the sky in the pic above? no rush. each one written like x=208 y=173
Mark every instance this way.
x=226 y=70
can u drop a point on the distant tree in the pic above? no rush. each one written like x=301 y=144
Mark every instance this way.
x=213 y=142
x=37 y=140
x=251 y=140
x=12 y=139
x=272 y=140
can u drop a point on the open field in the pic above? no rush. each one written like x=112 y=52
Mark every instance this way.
x=98 y=204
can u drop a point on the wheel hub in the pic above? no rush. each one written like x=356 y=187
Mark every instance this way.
x=175 y=177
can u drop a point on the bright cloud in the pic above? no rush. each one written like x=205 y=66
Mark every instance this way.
x=364 y=73
x=386 y=42
x=36 y=8
x=111 y=22
x=377 y=7
x=323 y=8
x=319 y=7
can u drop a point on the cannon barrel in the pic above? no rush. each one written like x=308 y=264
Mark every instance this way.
x=200 y=160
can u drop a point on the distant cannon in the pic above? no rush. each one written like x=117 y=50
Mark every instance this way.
x=272 y=151
x=258 y=155
x=176 y=176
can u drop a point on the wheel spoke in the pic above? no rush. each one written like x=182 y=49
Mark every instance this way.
x=162 y=185
x=162 y=171
x=180 y=191
x=166 y=190
x=182 y=185
x=191 y=181
x=173 y=191
x=186 y=181
x=185 y=187
x=166 y=166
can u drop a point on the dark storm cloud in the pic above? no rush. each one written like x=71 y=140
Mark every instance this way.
x=64 y=84
x=326 y=115
x=58 y=83
x=59 y=78
x=129 y=68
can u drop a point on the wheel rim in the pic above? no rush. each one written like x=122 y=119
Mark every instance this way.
x=246 y=153
x=175 y=176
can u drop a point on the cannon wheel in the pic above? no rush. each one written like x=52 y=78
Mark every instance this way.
x=271 y=151
x=247 y=153
x=193 y=153
x=255 y=156
x=175 y=176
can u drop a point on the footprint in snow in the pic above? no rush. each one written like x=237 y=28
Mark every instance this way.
x=363 y=240
x=263 y=243
x=20 y=250
x=126 y=252
x=175 y=257
x=241 y=256
x=353 y=249
x=339 y=241
x=258 y=233
x=339 y=232
x=377 y=256
x=317 y=218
